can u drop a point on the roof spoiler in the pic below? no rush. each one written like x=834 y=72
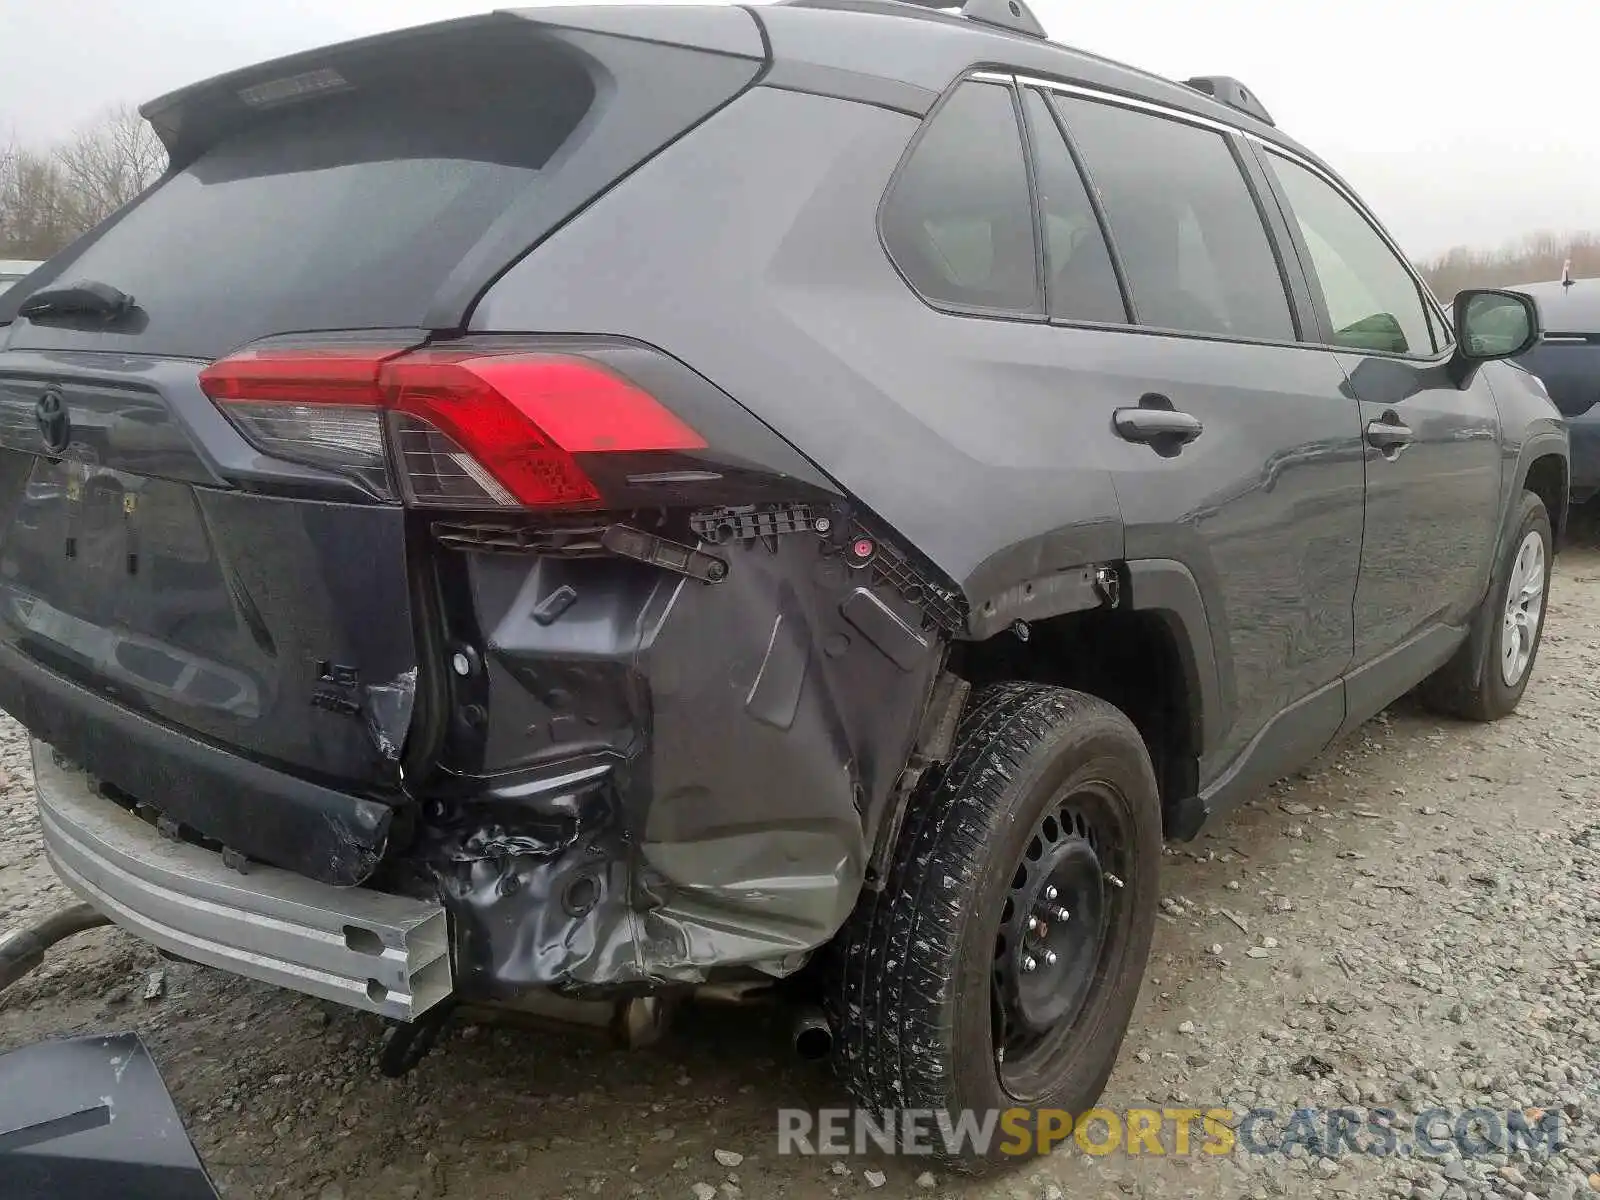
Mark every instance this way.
x=190 y=120
x=1231 y=92
x=193 y=118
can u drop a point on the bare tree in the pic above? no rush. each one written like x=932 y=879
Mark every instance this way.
x=1535 y=258
x=50 y=197
x=110 y=163
x=38 y=215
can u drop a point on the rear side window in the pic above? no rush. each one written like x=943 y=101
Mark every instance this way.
x=1080 y=283
x=958 y=221
x=1373 y=300
x=1191 y=240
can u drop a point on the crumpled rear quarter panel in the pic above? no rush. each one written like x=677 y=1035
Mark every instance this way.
x=668 y=777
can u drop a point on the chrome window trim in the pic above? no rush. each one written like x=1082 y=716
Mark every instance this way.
x=1270 y=146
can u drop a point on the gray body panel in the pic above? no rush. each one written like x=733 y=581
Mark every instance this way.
x=1264 y=510
x=968 y=444
x=1433 y=510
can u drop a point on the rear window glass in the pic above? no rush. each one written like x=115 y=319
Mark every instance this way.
x=959 y=221
x=347 y=211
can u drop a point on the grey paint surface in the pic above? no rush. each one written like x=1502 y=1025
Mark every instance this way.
x=1264 y=508
x=967 y=443
x=1433 y=511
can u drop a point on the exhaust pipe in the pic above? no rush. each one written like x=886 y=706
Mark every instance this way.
x=813 y=1036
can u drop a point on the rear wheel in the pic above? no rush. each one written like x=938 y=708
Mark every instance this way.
x=1516 y=605
x=999 y=966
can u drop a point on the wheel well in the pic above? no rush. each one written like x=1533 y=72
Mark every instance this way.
x=1547 y=479
x=1129 y=659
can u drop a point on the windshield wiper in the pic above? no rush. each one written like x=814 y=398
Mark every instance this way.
x=87 y=296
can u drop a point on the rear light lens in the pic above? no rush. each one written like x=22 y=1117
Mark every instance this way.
x=329 y=435
x=469 y=428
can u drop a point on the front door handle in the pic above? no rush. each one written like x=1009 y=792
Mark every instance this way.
x=1389 y=434
x=1156 y=423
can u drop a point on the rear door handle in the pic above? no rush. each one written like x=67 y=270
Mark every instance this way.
x=1389 y=434
x=1158 y=425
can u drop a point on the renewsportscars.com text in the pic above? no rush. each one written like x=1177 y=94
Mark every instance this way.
x=1172 y=1132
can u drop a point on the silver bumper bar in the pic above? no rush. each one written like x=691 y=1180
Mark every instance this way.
x=385 y=954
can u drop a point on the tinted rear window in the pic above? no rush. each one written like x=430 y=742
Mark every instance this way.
x=347 y=211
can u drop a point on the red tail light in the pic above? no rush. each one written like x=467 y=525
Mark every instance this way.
x=469 y=428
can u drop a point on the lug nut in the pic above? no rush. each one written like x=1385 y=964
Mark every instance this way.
x=1113 y=880
x=460 y=664
x=1034 y=924
x=1050 y=891
x=1061 y=914
x=1027 y=962
x=1049 y=958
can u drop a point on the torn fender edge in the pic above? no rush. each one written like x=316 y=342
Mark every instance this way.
x=744 y=742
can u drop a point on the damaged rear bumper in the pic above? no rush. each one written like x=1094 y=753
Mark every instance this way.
x=385 y=954
x=645 y=782
x=267 y=814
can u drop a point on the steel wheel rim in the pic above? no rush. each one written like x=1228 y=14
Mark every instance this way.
x=1075 y=848
x=1519 y=631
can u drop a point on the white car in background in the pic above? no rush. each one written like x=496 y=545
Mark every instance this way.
x=13 y=269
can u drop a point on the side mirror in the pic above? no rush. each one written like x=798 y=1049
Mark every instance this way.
x=1491 y=325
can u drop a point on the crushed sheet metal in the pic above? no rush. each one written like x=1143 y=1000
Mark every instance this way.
x=753 y=741
x=388 y=712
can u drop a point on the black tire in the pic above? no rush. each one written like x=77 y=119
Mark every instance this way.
x=1452 y=690
x=914 y=988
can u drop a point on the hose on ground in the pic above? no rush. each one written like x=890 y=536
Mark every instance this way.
x=24 y=950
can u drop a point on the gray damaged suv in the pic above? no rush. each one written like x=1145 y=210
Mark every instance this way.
x=582 y=507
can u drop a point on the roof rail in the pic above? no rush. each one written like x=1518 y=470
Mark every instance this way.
x=1232 y=93
x=1012 y=15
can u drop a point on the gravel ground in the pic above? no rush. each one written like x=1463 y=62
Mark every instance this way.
x=1411 y=922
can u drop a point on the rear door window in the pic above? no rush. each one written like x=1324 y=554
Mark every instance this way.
x=958 y=220
x=1080 y=283
x=1192 y=243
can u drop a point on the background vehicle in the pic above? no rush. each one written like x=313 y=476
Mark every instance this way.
x=488 y=569
x=1567 y=359
x=12 y=270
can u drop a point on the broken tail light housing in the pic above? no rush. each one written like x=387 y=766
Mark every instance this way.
x=445 y=427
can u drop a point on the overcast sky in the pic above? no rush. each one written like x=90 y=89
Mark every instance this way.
x=1460 y=121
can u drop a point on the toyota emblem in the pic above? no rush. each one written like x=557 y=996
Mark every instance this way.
x=51 y=416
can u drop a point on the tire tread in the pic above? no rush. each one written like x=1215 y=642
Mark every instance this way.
x=894 y=960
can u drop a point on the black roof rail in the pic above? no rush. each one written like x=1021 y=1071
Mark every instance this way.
x=1011 y=15
x=1232 y=93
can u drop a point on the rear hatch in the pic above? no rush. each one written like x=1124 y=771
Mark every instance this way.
x=221 y=550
